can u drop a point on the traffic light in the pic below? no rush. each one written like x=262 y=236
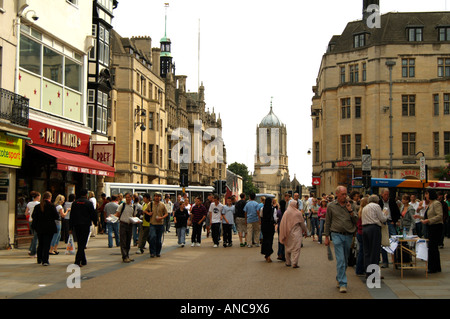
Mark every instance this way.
x=184 y=177
x=367 y=181
x=216 y=187
x=224 y=187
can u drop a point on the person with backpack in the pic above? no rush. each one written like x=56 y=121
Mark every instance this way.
x=124 y=212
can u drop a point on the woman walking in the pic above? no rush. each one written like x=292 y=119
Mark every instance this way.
x=36 y=199
x=322 y=213
x=267 y=229
x=292 y=227
x=59 y=201
x=44 y=217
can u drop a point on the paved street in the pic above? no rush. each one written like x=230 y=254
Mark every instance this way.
x=205 y=273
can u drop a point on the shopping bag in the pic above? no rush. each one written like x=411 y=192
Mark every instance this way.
x=70 y=249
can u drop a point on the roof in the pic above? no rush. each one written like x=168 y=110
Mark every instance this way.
x=393 y=30
x=271 y=120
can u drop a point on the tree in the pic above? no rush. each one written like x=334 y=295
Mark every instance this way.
x=247 y=180
x=443 y=173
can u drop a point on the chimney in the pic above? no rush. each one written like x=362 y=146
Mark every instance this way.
x=156 y=60
x=366 y=4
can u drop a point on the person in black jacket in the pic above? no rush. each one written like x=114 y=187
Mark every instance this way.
x=44 y=223
x=387 y=201
x=82 y=214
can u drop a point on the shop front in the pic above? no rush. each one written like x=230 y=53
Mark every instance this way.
x=57 y=160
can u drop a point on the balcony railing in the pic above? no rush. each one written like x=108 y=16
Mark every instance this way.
x=14 y=108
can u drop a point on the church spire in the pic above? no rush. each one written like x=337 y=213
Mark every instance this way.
x=166 y=55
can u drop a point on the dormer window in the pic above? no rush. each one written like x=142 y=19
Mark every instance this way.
x=444 y=33
x=415 y=34
x=359 y=40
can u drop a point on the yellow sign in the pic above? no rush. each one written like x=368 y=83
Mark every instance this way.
x=10 y=150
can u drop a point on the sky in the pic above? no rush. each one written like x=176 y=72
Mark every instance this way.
x=253 y=52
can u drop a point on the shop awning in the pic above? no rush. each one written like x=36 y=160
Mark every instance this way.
x=77 y=163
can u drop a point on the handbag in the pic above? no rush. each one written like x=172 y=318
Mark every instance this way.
x=385 y=235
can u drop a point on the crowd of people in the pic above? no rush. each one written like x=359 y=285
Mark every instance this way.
x=347 y=220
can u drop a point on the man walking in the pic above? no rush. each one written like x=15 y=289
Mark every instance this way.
x=253 y=219
x=82 y=214
x=241 y=223
x=215 y=211
x=124 y=212
x=198 y=216
x=170 y=211
x=157 y=216
x=144 y=229
x=340 y=223
x=111 y=209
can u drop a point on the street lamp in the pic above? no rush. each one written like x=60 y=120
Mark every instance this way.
x=390 y=64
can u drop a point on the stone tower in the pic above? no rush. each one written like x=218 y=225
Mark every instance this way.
x=271 y=160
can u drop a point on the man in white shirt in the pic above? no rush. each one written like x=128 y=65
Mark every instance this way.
x=169 y=207
x=215 y=211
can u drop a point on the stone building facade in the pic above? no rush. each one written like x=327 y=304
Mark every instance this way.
x=351 y=107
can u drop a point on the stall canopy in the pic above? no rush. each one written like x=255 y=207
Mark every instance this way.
x=77 y=163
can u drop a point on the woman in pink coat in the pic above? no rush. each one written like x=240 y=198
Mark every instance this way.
x=292 y=229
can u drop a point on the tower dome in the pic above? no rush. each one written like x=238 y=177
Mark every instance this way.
x=271 y=120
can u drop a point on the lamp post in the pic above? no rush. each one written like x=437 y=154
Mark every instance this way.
x=390 y=64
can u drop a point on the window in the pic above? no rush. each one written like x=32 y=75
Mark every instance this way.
x=443 y=67
x=358 y=139
x=409 y=144
x=103 y=45
x=435 y=104
x=345 y=145
x=408 y=105
x=30 y=55
x=354 y=73
x=316 y=152
x=93 y=53
x=357 y=107
x=446 y=143
x=446 y=104
x=150 y=153
x=150 y=120
x=342 y=74
x=436 y=143
x=408 y=68
x=444 y=34
x=91 y=114
x=72 y=75
x=364 y=72
x=359 y=40
x=415 y=34
x=345 y=108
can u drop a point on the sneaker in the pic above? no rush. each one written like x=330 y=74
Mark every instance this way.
x=215 y=246
x=249 y=246
x=182 y=245
x=343 y=289
x=193 y=244
x=197 y=244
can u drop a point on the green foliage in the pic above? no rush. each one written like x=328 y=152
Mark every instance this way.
x=444 y=172
x=247 y=180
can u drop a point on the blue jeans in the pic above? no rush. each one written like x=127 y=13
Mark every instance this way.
x=321 y=228
x=314 y=226
x=110 y=228
x=56 y=236
x=156 y=232
x=33 y=244
x=181 y=233
x=342 y=244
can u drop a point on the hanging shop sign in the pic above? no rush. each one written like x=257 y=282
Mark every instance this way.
x=10 y=150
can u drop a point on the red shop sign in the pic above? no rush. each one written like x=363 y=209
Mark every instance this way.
x=316 y=181
x=58 y=138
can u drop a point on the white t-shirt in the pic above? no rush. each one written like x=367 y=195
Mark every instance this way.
x=30 y=207
x=216 y=212
x=58 y=208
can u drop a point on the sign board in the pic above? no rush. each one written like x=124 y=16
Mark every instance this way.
x=366 y=162
x=104 y=153
x=10 y=150
x=316 y=181
x=423 y=170
x=59 y=138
